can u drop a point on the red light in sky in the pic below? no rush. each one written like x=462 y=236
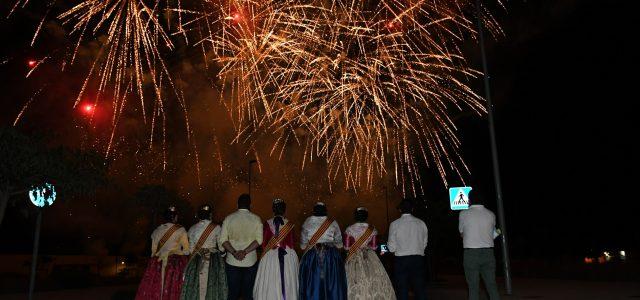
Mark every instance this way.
x=236 y=16
x=88 y=108
x=32 y=63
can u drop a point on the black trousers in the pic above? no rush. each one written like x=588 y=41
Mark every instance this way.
x=240 y=281
x=409 y=270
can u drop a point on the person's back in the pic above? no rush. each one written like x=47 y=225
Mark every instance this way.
x=477 y=225
x=237 y=231
x=407 y=240
x=413 y=237
x=240 y=236
x=477 y=228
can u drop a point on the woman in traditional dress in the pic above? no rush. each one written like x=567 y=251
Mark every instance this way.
x=169 y=255
x=205 y=277
x=322 y=274
x=277 y=277
x=366 y=277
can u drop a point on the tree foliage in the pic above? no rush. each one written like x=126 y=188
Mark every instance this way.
x=157 y=198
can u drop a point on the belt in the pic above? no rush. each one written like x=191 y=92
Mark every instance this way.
x=478 y=248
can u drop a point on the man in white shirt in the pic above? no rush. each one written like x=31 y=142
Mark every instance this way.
x=241 y=235
x=407 y=240
x=477 y=225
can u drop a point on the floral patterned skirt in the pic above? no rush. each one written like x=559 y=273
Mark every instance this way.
x=205 y=277
x=367 y=278
x=152 y=288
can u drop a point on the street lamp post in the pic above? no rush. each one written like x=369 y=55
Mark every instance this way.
x=494 y=153
x=34 y=257
x=41 y=197
x=251 y=162
x=386 y=203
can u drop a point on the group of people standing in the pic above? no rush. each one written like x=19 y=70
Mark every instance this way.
x=216 y=262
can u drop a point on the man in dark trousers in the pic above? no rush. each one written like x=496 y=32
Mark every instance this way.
x=241 y=234
x=408 y=240
x=477 y=226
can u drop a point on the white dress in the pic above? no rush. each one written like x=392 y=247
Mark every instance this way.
x=366 y=276
x=211 y=243
x=268 y=284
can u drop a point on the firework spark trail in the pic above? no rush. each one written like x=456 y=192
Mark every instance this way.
x=360 y=81
x=361 y=84
x=131 y=40
x=26 y=106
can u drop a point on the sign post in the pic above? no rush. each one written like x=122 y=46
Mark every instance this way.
x=494 y=152
x=40 y=196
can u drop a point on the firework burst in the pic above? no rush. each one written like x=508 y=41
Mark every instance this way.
x=368 y=86
x=130 y=54
x=361 y=84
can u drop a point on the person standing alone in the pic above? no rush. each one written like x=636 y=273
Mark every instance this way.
x=407 y=240
x=241 y=235
x=477 y=226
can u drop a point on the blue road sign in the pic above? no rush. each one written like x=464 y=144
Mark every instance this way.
x=459 y=197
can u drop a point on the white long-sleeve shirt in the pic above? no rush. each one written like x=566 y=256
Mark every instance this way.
x=311 y=225
x=477 y=226
x=408 y=235
x=240 y=229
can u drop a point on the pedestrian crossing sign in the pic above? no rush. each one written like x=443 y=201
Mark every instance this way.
x=459 y=197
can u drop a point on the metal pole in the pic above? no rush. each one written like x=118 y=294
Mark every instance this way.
x=386 y=202
x=34 y=259
x=494 y=153
x=251 y=162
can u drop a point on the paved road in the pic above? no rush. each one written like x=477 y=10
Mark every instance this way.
x=446 y=288
x=451 y=287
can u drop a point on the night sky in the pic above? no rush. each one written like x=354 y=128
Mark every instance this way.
x=563 y=79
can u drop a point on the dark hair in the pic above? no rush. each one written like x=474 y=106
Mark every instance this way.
x=361 y=215
x=204 y=213
x=170 y=215
x=244 y=201
x=319 y=210
x=279 y=208
x=406 y=206
x=476 y=196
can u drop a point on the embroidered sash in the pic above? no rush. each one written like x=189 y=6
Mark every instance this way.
x=318 y=234
x=361 y=240
x=203 y=237
x=275 y=240
x=166 y=236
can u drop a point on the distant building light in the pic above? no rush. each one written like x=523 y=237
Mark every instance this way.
x=602 y=260
x=623 y=254
x=588 y=260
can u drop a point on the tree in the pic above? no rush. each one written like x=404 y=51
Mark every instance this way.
x=156 y=198
x=26 y=162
